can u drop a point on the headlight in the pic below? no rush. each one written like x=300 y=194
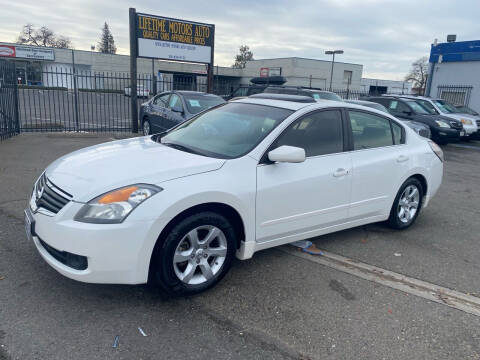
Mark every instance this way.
x=442 y=124
x=114 y=206
x=466 y=121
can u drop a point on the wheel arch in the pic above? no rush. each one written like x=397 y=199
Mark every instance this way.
x=220 y=208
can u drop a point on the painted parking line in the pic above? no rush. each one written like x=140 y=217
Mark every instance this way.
x=457 y=300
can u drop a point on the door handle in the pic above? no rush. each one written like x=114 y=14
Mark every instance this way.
x=402 y=158
x=340 y=172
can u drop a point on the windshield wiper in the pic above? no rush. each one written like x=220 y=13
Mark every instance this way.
x=181 y=148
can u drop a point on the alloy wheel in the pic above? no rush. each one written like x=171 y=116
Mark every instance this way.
x=146 y=128
x=408 y=204
x=200 y=255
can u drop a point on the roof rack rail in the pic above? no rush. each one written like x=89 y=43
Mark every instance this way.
x=284 y=97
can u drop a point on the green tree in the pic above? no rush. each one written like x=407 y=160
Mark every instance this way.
x=106 y=44
x=242 y=58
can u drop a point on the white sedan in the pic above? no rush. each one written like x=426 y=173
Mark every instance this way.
x=254 y=173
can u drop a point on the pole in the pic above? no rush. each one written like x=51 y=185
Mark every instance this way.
x=210 y=66
x=75 y=89
x=133 y=68
x=154 y=79
x=331 y=73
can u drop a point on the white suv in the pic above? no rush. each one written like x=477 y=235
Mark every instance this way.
x=442 y=107
x=176 y=207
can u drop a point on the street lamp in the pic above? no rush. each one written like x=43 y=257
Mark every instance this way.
x=332 y=52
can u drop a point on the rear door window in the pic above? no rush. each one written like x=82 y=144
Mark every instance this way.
x=370 y=130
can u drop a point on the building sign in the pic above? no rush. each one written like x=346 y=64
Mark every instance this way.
x=171 y=39
x=272 y=71
x=27 y=52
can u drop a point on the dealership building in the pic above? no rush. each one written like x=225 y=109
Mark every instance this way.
x=53 y=67
x=455 y=72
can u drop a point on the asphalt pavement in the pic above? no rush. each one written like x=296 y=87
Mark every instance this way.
x=274 y=306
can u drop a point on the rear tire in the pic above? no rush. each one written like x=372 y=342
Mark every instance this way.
x=407 y=204
x=195 y=255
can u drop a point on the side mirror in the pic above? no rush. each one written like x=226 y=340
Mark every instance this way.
x=177 y=109
x=406 y=112
x=287 y=154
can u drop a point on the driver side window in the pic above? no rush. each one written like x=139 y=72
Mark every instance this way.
x=318 y=133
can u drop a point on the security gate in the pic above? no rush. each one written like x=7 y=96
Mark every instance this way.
x=9 y=122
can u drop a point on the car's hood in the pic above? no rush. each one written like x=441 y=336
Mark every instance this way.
x=92 y=171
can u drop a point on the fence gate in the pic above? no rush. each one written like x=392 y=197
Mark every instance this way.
x=9 y=123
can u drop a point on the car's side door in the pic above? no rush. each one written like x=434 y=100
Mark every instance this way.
x=302 y=198
x=380 y=159
x=174 y=112
x=157 y=112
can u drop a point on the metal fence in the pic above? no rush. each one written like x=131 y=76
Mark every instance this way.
x=455 y=94
x=85 y=101
x=9 y=125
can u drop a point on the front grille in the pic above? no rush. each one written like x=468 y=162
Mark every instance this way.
x=478 y=123
x=456 y=125
x=50 y=197
x=77 y=262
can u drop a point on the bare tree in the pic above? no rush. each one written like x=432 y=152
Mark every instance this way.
x=106 y=44
x=42 y=37
x=242 y=58
x=418 y=74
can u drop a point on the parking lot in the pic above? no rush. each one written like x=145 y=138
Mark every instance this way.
x=275 y=306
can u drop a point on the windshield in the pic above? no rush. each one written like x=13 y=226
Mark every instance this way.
x=445 y=107
x=419 y=109
x=428 y=106
x=326 y=96
x=375 y=106
x=466 y=110
x=200 y=102
x=229 y=131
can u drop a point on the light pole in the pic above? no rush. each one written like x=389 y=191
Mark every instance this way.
x=332 y=52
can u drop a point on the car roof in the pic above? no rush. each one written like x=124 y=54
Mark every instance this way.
x=319 y=104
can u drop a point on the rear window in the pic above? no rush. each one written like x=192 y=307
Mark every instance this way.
x=199 y=103
x=326 y=96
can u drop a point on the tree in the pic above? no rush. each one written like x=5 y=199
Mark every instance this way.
x=242 y=58
x=42 y=37
x=106 y=44
x=418 y=74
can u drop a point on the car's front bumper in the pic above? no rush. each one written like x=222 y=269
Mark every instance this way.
x=445 y=134
x=113 y=253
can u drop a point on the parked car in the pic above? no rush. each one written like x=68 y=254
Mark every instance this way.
x=142 y=92
x=466 y=110
x=171 y=108
x=443 y=129
x=176 y=208
x=294 y=90
x=419 y=128
x=258 y=85
x=442 y=107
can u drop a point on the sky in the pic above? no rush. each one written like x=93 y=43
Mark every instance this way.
x=386 y=36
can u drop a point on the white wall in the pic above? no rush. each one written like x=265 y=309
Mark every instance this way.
x=465 y=73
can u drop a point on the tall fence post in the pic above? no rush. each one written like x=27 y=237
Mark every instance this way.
x=75 y=97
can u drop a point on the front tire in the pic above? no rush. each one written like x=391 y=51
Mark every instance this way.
x=195 y=255
x=407 y=204
x=147 y=128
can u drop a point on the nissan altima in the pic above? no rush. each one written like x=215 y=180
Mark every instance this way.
x=175 y=208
